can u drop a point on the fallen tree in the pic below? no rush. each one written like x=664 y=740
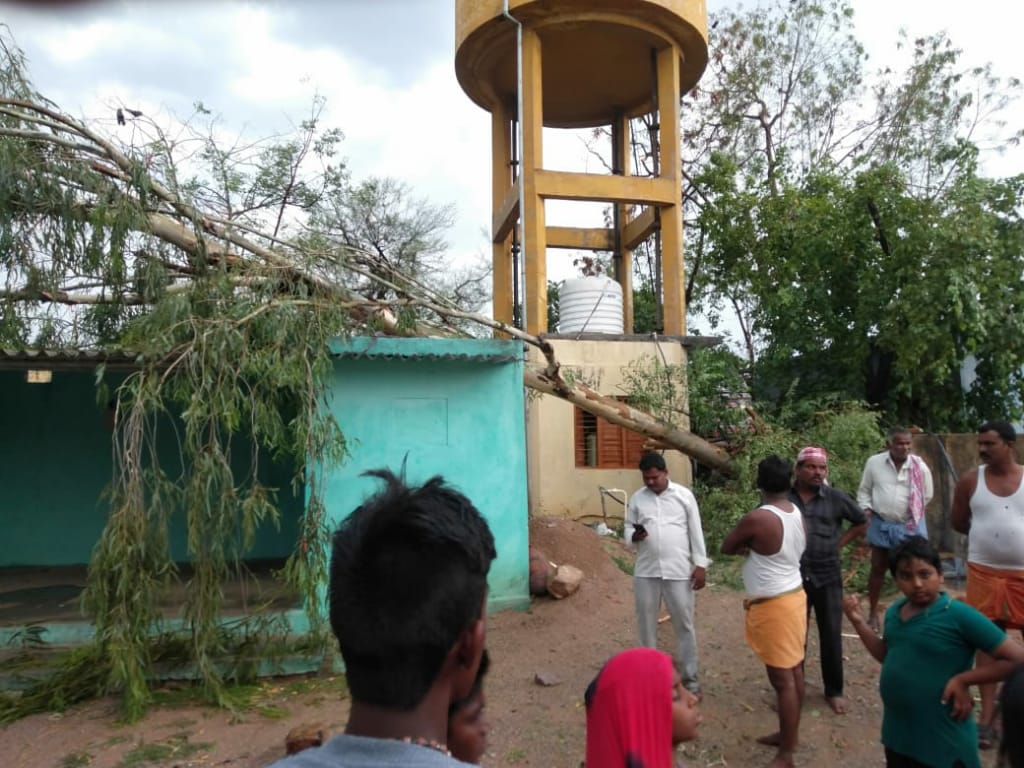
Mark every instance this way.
x=212 y=265
x=215 y=240
x=550 y=381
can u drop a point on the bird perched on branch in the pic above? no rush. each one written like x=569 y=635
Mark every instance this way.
x=132 y=112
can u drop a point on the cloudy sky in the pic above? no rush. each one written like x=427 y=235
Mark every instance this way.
x=385 y=67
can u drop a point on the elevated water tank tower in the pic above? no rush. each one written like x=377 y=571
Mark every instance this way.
x=578 y=64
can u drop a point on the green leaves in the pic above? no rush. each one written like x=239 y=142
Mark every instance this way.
x=105 y=246
x=847 y=430
x=847 y=227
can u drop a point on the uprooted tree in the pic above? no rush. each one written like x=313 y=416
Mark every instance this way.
x=226 y=271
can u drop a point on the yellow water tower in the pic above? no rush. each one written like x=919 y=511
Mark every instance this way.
x=578 y=64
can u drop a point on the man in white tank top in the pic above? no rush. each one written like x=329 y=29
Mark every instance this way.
x=772 y=539
x=988 y=505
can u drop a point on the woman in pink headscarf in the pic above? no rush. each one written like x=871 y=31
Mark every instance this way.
x=638 y=711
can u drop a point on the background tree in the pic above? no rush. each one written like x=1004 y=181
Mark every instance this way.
x=401 y=241
x=839 y=220
x=843 y=219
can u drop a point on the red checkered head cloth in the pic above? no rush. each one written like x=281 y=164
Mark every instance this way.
x=812 y=453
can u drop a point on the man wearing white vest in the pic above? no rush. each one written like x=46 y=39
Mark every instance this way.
x=988 y=505
x=772 y=538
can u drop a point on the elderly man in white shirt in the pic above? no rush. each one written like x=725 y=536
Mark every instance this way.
x=893 y=492
x=663 y=522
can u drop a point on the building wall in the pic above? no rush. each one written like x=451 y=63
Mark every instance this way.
x=457 y=412
x=558 y=488
x=440 y=406
x=56 y=460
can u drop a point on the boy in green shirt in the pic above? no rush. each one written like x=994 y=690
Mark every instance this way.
x=927 y=656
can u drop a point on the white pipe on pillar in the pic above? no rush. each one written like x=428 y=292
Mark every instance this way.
x=521 y=277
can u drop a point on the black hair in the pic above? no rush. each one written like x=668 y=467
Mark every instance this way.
x=774 y=474
x=652 y=460
x=1011 y=707
x=1004 y=429
x=913 y=547
x=588 y=694
x=478 y=684
x=408 y=576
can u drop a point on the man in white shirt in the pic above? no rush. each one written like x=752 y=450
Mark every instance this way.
x=893 y=492
x=663 y=522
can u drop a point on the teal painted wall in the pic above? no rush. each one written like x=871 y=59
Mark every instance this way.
x=452 y=407
x=460 y=416
x=55 y=461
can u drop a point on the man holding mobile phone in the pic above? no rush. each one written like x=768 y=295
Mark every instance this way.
x=663 y=523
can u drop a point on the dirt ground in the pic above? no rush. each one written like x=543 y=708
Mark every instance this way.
x=564 y=642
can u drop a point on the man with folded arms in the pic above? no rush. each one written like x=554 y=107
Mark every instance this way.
x=825 y=509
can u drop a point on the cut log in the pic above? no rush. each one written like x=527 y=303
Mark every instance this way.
x=566 y=581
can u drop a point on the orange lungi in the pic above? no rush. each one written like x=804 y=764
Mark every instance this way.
x=998 y=593
x=776 y=628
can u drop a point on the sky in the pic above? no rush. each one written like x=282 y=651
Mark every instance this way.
x=386 y=69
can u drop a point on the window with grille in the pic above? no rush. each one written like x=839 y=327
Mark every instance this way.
x=604 y=445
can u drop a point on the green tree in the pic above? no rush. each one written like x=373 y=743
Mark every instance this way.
x=107 y=245
x=214 y=263
x=554 y=303
x=844 y=222
x=397 y=243
x=848 y=431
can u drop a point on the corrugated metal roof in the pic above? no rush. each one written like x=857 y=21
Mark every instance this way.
x=425 y=348
x=382 y=347
x=66 y=358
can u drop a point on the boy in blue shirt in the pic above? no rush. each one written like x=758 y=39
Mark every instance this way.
x=927 y=656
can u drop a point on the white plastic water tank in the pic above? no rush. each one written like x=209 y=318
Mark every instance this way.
x=591 y=304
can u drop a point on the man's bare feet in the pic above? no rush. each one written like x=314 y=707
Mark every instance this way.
x=771 y=740
x=874 y=623
x=838 y=704
x=782 y=760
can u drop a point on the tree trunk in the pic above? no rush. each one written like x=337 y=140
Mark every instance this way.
x=617 y=412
